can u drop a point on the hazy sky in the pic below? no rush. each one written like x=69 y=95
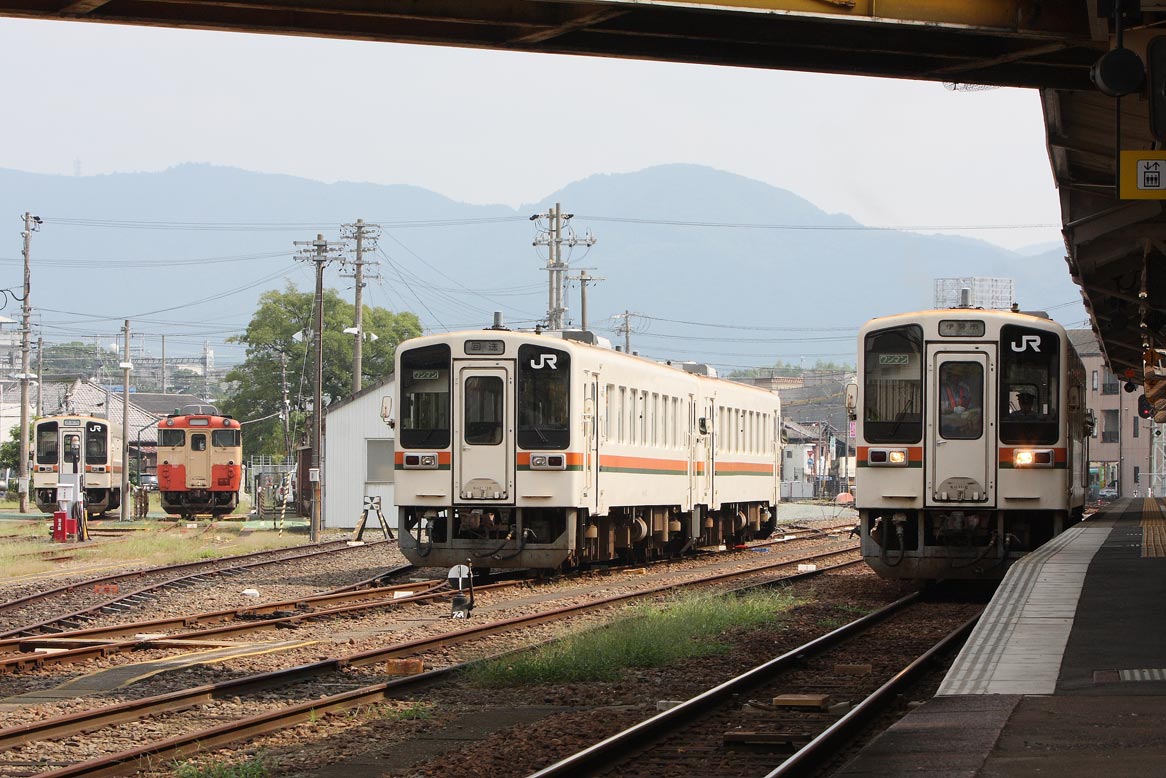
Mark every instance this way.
x=493 y=127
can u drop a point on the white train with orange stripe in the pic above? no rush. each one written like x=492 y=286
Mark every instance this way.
x=86 y=445
x=971 y=440
x=518 y=449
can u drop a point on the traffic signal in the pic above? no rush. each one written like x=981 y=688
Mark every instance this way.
x=1145 y=409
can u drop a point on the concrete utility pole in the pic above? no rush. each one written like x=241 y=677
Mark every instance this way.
x=553 y=238
x=583 y=280
x=126 y=367
x=163 y=364
x=360 y=232
x=626 y=329
x=40 y=376
x=318 y=251
x=31 y=224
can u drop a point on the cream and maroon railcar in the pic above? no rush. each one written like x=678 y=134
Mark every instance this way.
x=85 y=445
x=957 y=476
x=539 y=451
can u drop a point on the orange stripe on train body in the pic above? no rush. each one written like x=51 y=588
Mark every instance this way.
x=914 y=453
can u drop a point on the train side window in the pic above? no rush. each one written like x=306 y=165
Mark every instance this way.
x=198 y=441
x=893 y=385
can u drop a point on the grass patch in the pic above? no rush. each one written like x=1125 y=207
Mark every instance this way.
x=650 y=637
x=160 y=543
x=252 y=768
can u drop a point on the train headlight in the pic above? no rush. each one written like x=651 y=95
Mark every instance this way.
x=887 y=457
x=548 y=462
x=421 y=461
x=1028 y=457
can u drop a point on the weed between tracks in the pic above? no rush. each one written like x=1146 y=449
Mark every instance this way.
x=651 y=637
x=158 y=544
x=255 y=767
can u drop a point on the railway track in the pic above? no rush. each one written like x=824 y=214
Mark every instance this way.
x=282 y=712
x=799 y=709
x=97 y=590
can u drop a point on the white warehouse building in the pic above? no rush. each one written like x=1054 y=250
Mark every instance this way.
x=358 y=460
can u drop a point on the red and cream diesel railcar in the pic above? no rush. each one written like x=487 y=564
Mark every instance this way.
x=200 y=463
x=546 y=451
x=971 y=440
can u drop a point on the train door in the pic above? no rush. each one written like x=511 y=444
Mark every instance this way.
x=591 y=423
x=198 y=467
x=483 y=431
x=961 y=439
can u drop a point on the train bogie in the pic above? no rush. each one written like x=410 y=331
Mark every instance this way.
x=540 y=451
x=972 y=432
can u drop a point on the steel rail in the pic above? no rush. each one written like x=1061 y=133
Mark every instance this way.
x=191 y=743
x=105 y=648
x=168 y=583
x=611 y=749
x=298 y=604
x=811 y=756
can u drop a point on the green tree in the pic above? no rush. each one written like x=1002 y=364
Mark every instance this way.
x=76 y=359
x=278 y=331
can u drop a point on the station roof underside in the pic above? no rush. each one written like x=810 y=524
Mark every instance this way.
x=1114 y=247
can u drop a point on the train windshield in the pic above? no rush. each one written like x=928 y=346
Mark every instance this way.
x=893 y=385
x=1029 y=369
x=172 y=438
x=424 y=414
x=46 y=443
x=544 y=384
x=224 y=438
x=96 y=443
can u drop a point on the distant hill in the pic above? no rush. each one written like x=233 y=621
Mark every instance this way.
x=676 y=243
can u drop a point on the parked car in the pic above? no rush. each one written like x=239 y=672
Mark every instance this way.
x=148 y=481
x=1107 y=494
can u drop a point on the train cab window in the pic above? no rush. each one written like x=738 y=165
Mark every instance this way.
x=1029 y=385
x=544 y=392
x=485 y=405
x=198 y=441
x=172 y=438
x=961 y=400
x=224 y=438
x=96 y=444
x=46 y=443
x=425 y=385
x=893 y=385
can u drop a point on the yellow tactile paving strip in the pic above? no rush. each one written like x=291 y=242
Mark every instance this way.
x=1153 y=528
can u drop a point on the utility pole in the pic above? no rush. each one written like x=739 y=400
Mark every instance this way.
x=317 y=251
x=126 y=367
x=359 y=232
x=626 y=329
x=552 y=236
x=163 y=364
x=583 y=280
x=40 y=376
x=285 y=406
x=31 y=224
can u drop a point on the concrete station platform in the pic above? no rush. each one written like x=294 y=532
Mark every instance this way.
x=1064 y=676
